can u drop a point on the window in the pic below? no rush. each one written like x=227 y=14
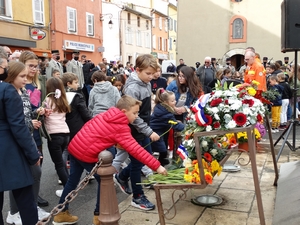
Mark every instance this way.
x=138 y=38
x=128 y=36
x=5 y=8
x=38 y=10
x=147 y=24
x=154 y=41
x=138 y=21
x=160 y=23
x=175 y=25
x=238 y=29
x=159 y=47
x=170 y=24
x=147 y=40
x=71 y=17
x=166 y=24
x=128 y=18
x=90 y=24
x=170 y=43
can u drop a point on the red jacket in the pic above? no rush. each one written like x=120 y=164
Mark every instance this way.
x=103 y=131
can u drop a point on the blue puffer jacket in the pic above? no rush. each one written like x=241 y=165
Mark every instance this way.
x=159 y=123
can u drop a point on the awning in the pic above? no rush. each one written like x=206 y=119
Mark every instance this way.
x=41 y=52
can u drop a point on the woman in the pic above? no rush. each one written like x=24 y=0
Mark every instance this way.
x=18 y=150
x=187 y=89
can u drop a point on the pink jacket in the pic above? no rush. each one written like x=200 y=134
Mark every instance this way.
x=103 y=131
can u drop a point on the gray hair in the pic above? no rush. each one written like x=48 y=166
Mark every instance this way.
x=207 y=58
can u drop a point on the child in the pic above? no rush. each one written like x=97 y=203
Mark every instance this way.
x=170 y=79
x=158 y=81
x=103 y=95
x=226 y=75
x=162 y=114
x=17 y=76
x=276 y=104
x=138 y=86
x=55 y=73
x=286 y=96
x=118 y=81
x=57 y=127
x=86 y=145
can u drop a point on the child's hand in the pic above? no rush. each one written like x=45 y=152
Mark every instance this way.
x=154 y=137
x=36 y=124
x=48 y=112
x=162 y=170
x=40 y=111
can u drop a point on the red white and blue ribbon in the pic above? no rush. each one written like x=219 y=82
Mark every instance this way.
x=182 y=152
x=199 y=107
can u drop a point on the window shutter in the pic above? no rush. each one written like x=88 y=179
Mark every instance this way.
x=72 y=20
x=38 y=11
x=90 y=24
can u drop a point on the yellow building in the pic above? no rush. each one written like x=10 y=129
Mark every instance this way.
x=172 y=11
x=25 y=26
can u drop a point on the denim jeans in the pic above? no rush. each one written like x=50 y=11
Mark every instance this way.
x=76 y=169
x=133 y=170
x=56 y=147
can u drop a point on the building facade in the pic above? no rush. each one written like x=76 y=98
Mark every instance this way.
x=223 y=29
x=25 y=26
x=172 y=24
x=77 y=26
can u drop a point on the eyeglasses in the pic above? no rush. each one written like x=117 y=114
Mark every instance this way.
x=206 y=62
x=31 y=66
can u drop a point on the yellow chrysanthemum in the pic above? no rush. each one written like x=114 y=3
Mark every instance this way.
x=214 y=165
x=219 y=170
x=188 y=178
x=255 y=82
x=251 y=91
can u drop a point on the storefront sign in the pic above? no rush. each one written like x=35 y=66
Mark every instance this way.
x=79 y=46
x=37 y=34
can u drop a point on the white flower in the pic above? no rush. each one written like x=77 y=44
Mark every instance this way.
x=214 y=110
x=208 y=128
x=214 y=152
x=246 y=110
x=190 y=142
x=187 y=163
x=204 y=144
x=231 y=124
x=217 y=117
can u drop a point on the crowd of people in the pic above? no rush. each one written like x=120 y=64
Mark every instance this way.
x=82 y=109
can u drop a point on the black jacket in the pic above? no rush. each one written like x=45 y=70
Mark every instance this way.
x=89 y=79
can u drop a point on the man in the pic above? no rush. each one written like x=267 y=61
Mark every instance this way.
x=15 y=56
x=206 y=73
x=87 y=66
x=74 y=66
x=286 y=63
x=228 y=65
x=181 y=64
x=54 y=64
x=254 y=71
x=265 y=61
x=197 y=65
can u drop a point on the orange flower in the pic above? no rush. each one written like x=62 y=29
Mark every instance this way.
x=232 y=141
x=186 y=171
x=195 y=162
x=208 y=178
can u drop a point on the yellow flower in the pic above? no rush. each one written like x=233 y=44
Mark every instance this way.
x=220 y=170
x=251 y=91
x=188 y=178
x=214 y=165
x=254 y=82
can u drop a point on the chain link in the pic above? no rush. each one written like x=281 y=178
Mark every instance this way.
x=71 y=196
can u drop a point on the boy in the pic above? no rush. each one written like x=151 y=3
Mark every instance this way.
x=55 y=73
x=158 y=81
x=87 y=145
x=138 y=86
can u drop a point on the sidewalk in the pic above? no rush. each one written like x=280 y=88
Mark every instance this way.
x=236 y=189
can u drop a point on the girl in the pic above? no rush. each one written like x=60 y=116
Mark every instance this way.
x=163 y=112
x=226 y=75
x=118 y=81
x=286 y=96
x=57 y=127
x=17 y=77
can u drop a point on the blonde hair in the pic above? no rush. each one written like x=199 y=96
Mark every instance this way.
x=28 y=55
x=144 y=61
x=127 y=102
x=15 y=68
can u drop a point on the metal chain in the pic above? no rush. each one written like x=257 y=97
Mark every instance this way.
x=71 y=196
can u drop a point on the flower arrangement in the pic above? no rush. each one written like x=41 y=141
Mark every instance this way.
x=226 y=109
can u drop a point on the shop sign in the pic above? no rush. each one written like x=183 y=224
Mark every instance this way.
x=37 y=34
x=79 y=46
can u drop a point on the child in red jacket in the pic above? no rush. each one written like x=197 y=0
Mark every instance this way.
x=109 y=128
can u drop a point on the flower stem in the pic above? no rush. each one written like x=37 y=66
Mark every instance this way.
x=159 y=136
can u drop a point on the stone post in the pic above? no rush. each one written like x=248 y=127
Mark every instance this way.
x=109 y=210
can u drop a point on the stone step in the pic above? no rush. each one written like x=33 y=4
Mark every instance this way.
x=287 y=203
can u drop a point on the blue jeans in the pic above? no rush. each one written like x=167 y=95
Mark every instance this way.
x=76 y=169
x=56 y=147
x=133 y=170
x=289 y=112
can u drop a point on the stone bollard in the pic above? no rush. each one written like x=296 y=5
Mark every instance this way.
x=109 y=210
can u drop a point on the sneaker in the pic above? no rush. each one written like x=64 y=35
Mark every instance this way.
x=123 y=185
x=64 y=218
x=146 y=171
x=13 y=219
x=59 y=193
x=96 y=220
x=59 y=182
x=276 y=130
x=142 y=203
x=273 y=131
x=42 y=213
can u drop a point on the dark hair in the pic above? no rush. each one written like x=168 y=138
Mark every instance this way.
x=227 y=70
x=54 y=71
x=273 y=77
x=98 y=76
x=192 y=82
x=68 y=78
x=119 y=77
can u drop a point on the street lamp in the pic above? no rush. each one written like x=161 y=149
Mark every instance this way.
x=110 y=23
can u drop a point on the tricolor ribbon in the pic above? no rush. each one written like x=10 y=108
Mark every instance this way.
x=182 y=152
